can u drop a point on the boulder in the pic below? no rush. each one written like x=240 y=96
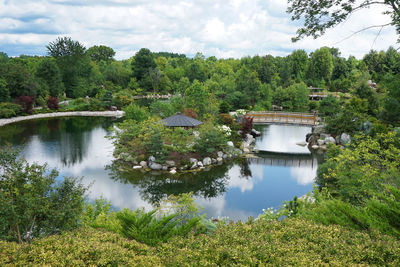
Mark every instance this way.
x=308 y=137
x=193 y=160
x=194 y=166
x=230 y=144
x=155 y=166
x=345 y=139
x=200 y=164
x=220 y=154
x=207 y=161
x=170 y=163
x=219 y=159
x=143 y=164
x=320 y=142
x=173 y=171
x=213 y=161
x=324 y=136
x=152 y=159
x=249 y=139
x=255 y=133
x=224 y=156
x=314 y=147
x=330 y=140
x=137 y=167
x=301 y=143
x=164 y=168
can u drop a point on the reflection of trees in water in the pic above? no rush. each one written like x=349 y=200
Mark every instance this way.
x=69 y=136
x=152 y=187
x=245 y=171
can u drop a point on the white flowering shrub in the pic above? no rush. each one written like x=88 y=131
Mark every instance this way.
x=225 y=130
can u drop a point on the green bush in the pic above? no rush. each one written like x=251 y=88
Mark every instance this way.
x=136 y=113
x=32 y=204
x=8 y=110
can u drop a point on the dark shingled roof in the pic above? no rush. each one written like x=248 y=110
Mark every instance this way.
x=179 y=120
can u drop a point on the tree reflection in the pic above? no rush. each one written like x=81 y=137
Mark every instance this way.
x=155 y=186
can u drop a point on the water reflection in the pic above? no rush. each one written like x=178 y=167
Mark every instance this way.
x=239 y=189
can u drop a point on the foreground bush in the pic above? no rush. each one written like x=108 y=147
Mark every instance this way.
x=287 y=243
x=8 y=110
x=292 y=242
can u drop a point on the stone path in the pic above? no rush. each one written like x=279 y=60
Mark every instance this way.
x=63 y=114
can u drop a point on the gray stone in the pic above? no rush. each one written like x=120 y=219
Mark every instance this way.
x=206 y=161
x=143 y=164
x=230 y=144
x=219 y=159
x=345 y=139
x=315 y=147
x=155 y=166
x=249 y=139
x=320 y=142
x=301 y=143
x=213 y=161
x=170 y=163
x=173 y=171
x=137 y=167
x=255 y=132
x=323 y=136
x=194 y=166
x=200 y=164
x=220 y=154
x=152 y=159
x=330 y=140
x=193 y=160
x=246 y=150
x=224 y=156
x=164 y=168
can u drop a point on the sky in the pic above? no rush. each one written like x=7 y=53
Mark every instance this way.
x=220 y=28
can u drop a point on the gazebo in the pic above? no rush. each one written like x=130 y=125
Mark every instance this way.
x=179 y=120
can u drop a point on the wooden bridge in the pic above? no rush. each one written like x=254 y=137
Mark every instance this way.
x=296 y=118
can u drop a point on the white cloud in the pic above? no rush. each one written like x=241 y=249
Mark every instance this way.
x=234 y=28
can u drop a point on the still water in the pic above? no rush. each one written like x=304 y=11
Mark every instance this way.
x=78 y=146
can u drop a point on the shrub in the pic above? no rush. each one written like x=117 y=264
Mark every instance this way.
x=8 y=110
x=52 y=103
x=26 y=102
x=247 y=126
x=95 y=105
x=226 y=119
x=32 y=204
x=79 y=104
x=224 y=107
x=136 y=113
x=190 y=113
x=211 y=140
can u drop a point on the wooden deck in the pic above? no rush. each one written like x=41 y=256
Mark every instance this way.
x=296 y=118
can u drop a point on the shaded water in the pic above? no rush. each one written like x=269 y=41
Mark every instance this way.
x=77 y=146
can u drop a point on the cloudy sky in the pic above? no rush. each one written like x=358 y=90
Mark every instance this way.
x=221 y=28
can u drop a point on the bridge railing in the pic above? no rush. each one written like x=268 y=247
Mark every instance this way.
x=283 y=117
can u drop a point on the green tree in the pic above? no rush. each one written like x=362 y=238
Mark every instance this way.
x=321 y=65
x=318 y=16
x=4 y=92
x=141 y=65
x=73 y=62
x=50 y=74
x=100 y=52
x=298 y=64
x=32 y=204
x=248 y=84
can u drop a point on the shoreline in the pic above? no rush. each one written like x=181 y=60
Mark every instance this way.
x=117 y=113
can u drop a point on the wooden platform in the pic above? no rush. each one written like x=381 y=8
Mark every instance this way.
x=295 y=118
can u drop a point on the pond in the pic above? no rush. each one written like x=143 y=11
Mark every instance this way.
x=78 y=146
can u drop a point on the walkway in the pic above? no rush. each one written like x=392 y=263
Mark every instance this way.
x=296 y=118
x=63 y=114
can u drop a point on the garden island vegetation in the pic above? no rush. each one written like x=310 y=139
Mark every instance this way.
x=351 y=217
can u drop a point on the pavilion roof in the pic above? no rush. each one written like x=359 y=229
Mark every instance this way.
x=179 y=120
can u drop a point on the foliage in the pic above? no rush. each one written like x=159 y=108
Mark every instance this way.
x=247 y=126
x=100 y=52
x=211 y=140
x=190 y=113
x=136 y=113
x=329 y=106
x=8 y=110
x=99 y=214
x=32 y=204
x=52 y=103
x=293 y=98
x=322 y=15
x=26 y=103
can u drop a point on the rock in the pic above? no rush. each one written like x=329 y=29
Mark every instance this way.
x=137 y=167
x=318 y=129
x=323 y=136
x=255 y=133
x=246 y=150
x=213 y=161
x=220 y=154
x=323 y=147
x=155 y=166
x=170 y=163
x=301 y=143
x=330 y=140
x=308 y=137
x=224 y=156
x=219 y=159
x=345 y=139
x=196 y=134
x=207 y=161
x=314 y=147
x=193 y=160
x=320 y=142
x=249 y=139
x=194 y=166
x=164 y=168
x=200 y=164
x=173 y=171
x=152 y=159
x=230 y=144
x=113 y=108
x=143 y=164
x=312 y=140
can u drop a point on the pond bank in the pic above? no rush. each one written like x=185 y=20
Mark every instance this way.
x=63 y=114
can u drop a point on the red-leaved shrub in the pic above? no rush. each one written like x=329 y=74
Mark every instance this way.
x=52 y=103
x=190 y=113
x=247 y=126
x=26 y=103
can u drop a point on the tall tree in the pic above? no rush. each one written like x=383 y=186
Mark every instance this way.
x=48 y=72
x=73 y=62
x=142 y=64
x=318 y=16
x=100 y=52
x=321 y=65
